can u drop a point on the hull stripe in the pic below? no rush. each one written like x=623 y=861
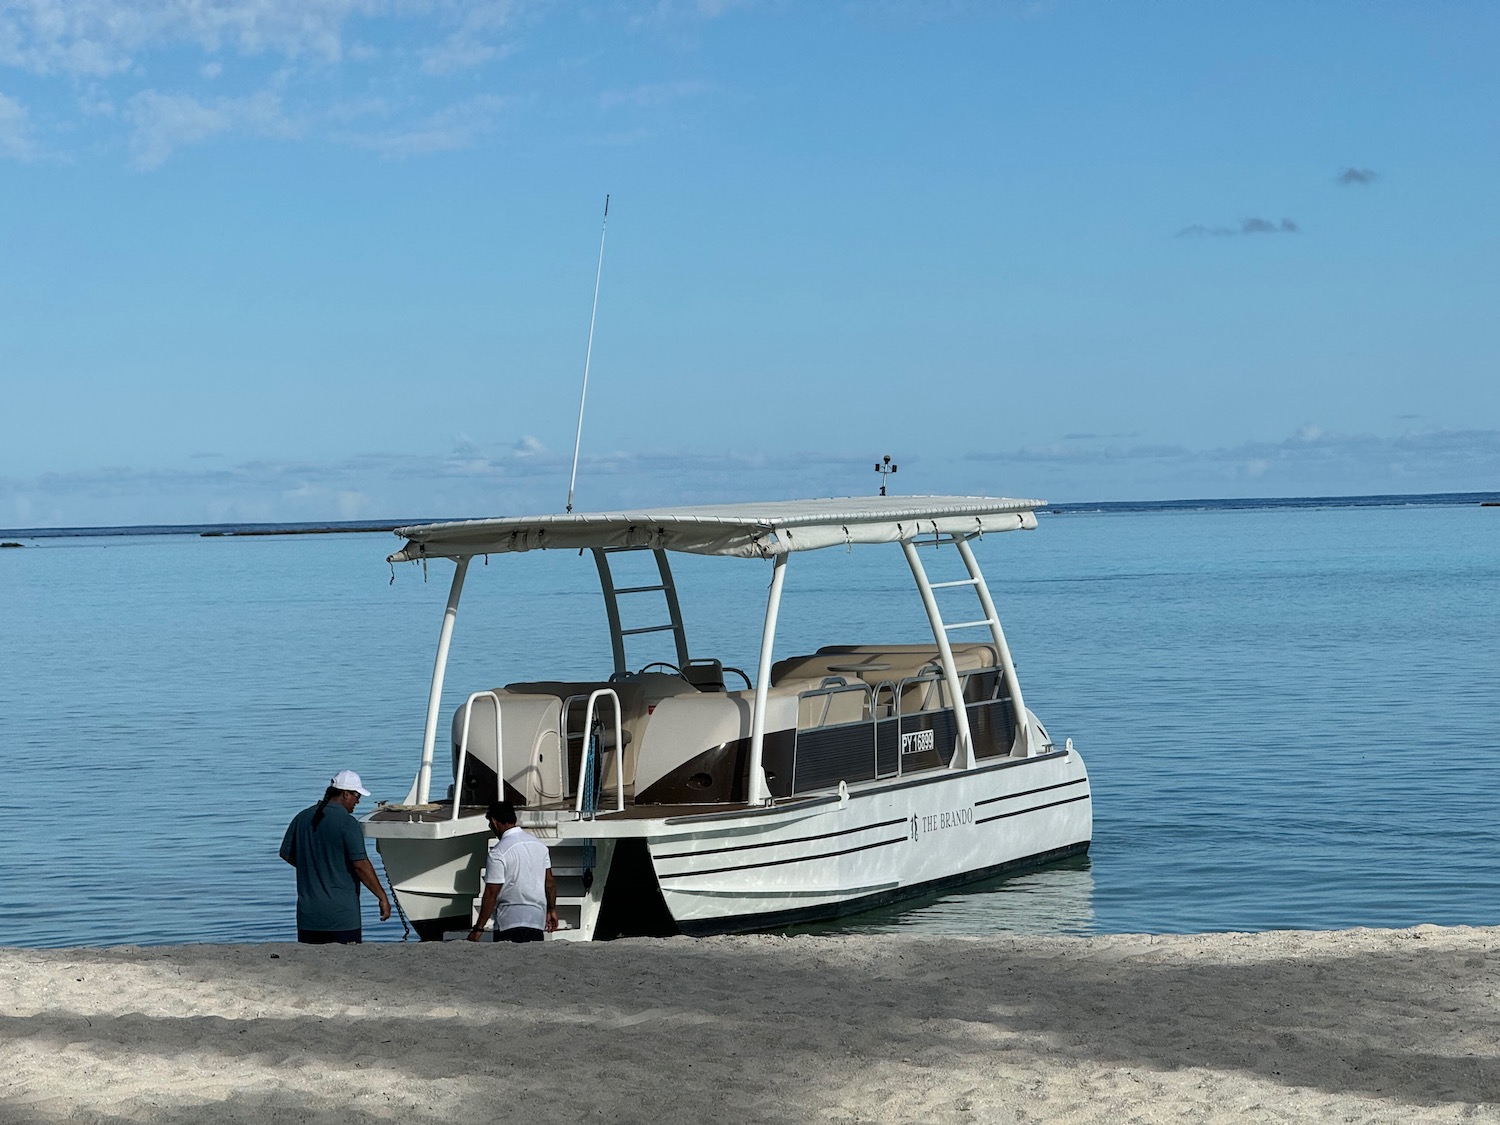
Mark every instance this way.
x=783 y=862
x=862 y=847
x=1034 y=808
x=1030 y=792
x=774 y=843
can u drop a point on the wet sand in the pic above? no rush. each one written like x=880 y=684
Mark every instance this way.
x=1359 y=1025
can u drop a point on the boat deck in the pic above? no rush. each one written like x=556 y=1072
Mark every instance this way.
x=439 y=812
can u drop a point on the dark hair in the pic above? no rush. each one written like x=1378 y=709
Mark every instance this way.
x=329 y=794
x=502 y=812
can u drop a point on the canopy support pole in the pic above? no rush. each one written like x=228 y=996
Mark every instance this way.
x=757 y=791
x=422 y=787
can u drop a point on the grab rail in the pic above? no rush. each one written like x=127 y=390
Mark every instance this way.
x=585 y=780
x=830 y=687
x=463 y=750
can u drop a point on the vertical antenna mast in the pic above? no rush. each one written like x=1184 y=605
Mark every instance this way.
x=588 y=355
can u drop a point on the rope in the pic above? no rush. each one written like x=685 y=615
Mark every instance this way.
x=591 y=751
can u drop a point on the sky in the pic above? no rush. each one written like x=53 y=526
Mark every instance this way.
x=300 y=260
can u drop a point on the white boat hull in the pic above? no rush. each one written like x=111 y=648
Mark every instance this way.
x=803 y=860
x=877 y=844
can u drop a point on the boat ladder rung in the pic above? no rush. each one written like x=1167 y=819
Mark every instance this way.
x=648 y=629
x=955 y=582
x=988 y=622
x=639 y=589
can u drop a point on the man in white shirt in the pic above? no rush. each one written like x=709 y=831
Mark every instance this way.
x=518 y=886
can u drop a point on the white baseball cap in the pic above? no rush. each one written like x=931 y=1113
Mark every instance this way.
x=348 y=779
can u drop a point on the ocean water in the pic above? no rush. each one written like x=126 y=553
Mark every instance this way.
x=1291 y=714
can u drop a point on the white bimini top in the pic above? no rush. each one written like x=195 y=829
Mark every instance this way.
x=761 y=530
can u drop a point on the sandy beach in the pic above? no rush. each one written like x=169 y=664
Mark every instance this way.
x=1359 y=1025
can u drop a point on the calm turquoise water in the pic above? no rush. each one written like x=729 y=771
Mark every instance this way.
x=1292 y=717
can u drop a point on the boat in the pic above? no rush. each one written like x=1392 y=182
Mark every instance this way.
x=692 y=797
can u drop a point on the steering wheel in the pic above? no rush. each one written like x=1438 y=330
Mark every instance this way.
x=740 y=674
x=676 y=671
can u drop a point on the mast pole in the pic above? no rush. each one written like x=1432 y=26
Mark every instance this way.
x=588 y=356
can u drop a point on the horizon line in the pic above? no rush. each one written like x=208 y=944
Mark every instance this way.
x=333 y=527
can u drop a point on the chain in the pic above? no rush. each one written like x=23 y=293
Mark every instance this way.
x=396 y=902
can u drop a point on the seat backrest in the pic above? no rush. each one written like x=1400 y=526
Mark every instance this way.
x=705 y=675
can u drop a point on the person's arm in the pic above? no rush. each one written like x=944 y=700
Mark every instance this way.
x=486 y=908
x=289 y=845
x=551 y=902
x=364 y=871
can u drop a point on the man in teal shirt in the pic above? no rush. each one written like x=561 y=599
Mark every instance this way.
x=327 y=847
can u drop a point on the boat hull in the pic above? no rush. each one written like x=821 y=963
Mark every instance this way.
x=435 y=876
x=873 y=845
x=811 y=858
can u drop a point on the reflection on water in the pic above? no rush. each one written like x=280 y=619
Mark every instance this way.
x=1056 y=899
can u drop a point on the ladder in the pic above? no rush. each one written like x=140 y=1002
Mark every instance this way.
x=579 y=871
x=612 y=593
x=964 y=757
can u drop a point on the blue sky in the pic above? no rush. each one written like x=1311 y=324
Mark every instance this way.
x=333 y=259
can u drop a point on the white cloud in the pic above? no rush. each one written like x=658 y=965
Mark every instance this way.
x=15 y=131
x=163 y=123
x=456 y=127
x=525 y=476
x=105 y=59
x=651 y=94
x=98 y=38
x=1251 y=225
x=457 y=53
x=473 y=481
x=1310 y=462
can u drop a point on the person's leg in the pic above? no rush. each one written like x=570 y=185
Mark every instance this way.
x=519 y=934
x=331 y=937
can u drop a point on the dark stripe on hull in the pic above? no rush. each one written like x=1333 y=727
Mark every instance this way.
x=901 y=839
x=749 y=923
x=1034 y=808
x=779 y=843
x=1030 y=792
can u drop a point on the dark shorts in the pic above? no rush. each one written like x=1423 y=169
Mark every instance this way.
x=519 y=933
x=331 y=937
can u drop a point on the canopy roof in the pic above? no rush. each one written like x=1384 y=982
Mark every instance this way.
x=739 y=530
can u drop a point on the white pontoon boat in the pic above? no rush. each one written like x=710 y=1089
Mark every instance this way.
x=690 y=797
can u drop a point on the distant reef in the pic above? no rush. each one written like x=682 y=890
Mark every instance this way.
x=4 y=545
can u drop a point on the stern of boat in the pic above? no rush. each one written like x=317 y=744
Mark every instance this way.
x=435 y=861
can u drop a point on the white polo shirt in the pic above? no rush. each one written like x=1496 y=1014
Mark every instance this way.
x=520 y=862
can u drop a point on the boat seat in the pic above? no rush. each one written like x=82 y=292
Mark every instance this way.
x=875 y=664
x=826 y=709
x=705 y=675
x=638 y=696
x=881 y=664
